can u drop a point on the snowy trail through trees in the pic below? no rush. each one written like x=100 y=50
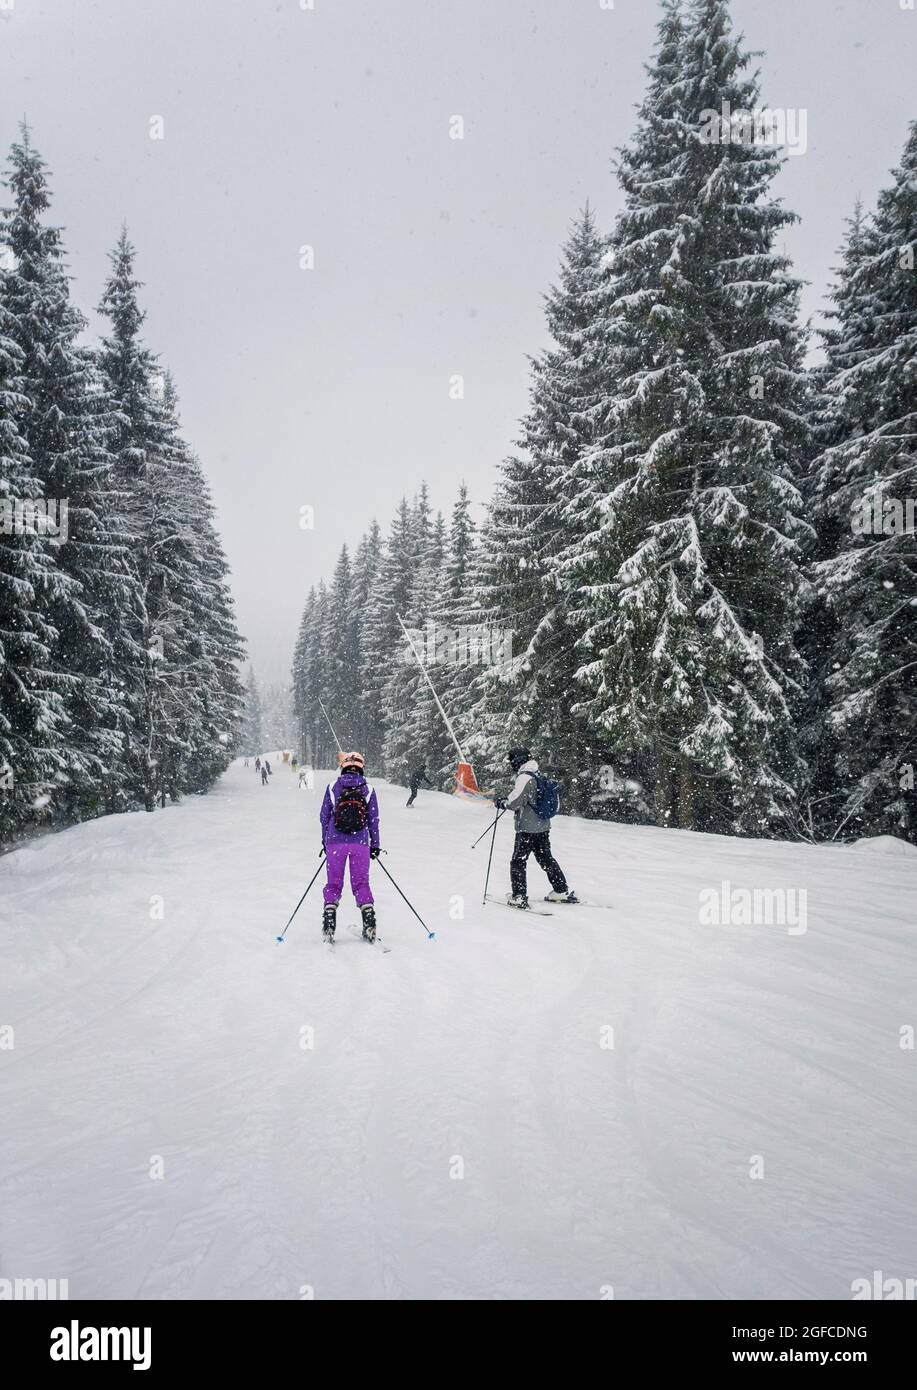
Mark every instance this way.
x=456 y=1128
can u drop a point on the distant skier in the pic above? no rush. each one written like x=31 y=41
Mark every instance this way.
x=417 y=776
x=294 y=762
x=264 y=776
x=257 y=764
x=246 y=762
x=269 y=769
x=350 y=831
x=532 y=816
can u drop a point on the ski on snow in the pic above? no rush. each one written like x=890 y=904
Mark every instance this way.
x=501 y=902
x=357 y=932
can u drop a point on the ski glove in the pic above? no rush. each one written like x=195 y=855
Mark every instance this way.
x=501 y=803
x=374 y=852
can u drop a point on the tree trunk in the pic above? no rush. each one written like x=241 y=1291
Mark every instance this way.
x=664 y=790
x=686 y=795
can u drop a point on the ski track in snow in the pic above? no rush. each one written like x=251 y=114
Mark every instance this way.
x=330 y=1166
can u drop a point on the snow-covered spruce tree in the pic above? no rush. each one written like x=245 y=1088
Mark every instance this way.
x=844 y=343
x=864 y=484
x=304 y=706
x=382 y=642
x=365 y=568
x=251 y=735
x=693 y=665
x=416 y=735
x=32 y=710
x=342 y=647
x=456 y=668
x=314 y=666
x=183 y=617
x=213 y=649
x=297 y=676
x=278 y=722
x=65 y=428
x=596 y=543
x=534 y=527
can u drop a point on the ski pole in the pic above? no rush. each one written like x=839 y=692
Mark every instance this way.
x=484 y=832
x=302 y=899
x=490 y=856
x=430 y=934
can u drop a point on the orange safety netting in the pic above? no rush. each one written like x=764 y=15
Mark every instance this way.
x=465 y=781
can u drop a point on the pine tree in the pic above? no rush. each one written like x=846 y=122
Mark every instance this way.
x=522 y=586
x=183 y=692
x=322 y=738
x=303 y=697
x=382 y=640
x=212 y=649
x=278 y=721
x=415 y=735
x=32 y=711
x=341 y=694
x=65 y=428
x=817 y=639
x=693 y=666
x=864 y=483
x=454 y=676
x=365 y=569
x=570 y=384
x=251 y=734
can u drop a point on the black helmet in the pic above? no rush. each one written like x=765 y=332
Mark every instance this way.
x=517 y=756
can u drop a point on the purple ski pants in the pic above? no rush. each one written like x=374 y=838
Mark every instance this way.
x=337 y=856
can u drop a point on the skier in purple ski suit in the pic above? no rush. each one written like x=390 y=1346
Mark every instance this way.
x=350 y=802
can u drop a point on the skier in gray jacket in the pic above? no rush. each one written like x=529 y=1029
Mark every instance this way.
x=533 y=834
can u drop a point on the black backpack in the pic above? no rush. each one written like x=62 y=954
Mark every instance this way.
x=547 y=796
x=351 y=814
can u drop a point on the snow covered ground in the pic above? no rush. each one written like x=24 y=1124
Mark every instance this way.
x=460 y=1126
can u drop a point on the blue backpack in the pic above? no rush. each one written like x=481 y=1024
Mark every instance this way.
x=547 y=796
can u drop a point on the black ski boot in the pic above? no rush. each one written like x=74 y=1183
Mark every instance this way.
x=329 y=921
x=369 y=922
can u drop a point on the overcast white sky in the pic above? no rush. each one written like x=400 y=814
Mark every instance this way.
x=286 y=126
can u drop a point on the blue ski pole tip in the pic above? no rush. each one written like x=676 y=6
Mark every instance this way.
x=431 y=936
x=280 y=939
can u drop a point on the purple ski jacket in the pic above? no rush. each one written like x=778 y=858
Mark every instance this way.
x=330 y=834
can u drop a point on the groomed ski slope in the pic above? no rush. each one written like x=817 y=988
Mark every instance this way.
x=288 y=1168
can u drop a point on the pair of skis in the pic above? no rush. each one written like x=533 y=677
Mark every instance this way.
x=541 y=911
x=356 y=931
x=538 y=911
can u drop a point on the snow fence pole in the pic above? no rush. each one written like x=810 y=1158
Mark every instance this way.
x=330 y=726
x=493 y=841
x=303 y=898
x=484 y=832
x=426 y=676
x=430 y=934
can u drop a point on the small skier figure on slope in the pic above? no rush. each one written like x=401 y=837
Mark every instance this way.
x=350 y=832
x=417 y=776
x=533 y=833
